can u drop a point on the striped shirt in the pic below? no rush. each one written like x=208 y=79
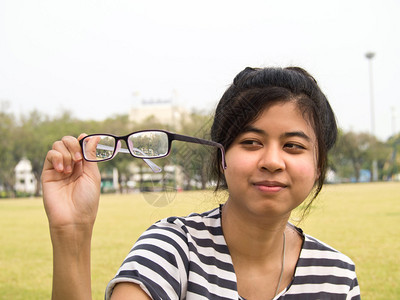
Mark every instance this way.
x=188 y=258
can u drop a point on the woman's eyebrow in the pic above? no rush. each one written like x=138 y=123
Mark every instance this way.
x=299 y=134
x=250 y=128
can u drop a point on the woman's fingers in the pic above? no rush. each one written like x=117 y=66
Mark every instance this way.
x=65 y=159
x=72 y=144
x=54 y=160
x=64 y=154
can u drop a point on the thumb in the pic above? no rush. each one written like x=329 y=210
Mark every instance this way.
x=81 y=136
x=89 y=167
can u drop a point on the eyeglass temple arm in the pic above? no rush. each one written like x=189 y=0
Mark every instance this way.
x=190 y=139
x=153 y=166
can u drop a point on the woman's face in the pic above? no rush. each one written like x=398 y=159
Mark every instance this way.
x=272 y=165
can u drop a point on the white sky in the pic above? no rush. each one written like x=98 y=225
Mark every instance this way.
x=93 y=57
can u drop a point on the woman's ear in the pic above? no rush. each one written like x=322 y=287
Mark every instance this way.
x=318 y=175
x=222 y=169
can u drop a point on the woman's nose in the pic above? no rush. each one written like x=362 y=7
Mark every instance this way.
x=271 y=159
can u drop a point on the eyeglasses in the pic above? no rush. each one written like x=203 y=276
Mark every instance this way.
x=145 y=144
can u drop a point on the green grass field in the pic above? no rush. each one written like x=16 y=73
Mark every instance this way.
x=361 y=220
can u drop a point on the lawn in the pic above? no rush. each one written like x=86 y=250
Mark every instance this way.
x=360 y=220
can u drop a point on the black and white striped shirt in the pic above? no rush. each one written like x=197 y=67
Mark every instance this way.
x=187 y=258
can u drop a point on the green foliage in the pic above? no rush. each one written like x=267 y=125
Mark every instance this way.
x=37 y=134
x=194 y=158
x=32 y=135
x=356 y=151
x=391 y=166
x=9 y=151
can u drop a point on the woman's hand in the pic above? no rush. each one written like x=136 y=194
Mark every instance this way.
x=71 y=185
x=71 y=192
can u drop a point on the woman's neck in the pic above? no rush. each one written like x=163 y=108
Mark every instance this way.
x=252 y=238
x=259 y=251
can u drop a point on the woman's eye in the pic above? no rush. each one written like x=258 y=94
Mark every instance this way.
x=295 y=147
x=251 y=143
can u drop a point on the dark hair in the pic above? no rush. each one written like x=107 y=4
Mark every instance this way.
x=253 y=90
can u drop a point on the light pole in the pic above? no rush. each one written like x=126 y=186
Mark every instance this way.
x=370 y=56
x=393 y=120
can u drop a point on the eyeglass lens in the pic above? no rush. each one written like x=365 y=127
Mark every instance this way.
x=99 y=147
x=144 y=144
x=148 y=144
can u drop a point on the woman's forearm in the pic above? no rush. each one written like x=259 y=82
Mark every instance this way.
x=71 y=264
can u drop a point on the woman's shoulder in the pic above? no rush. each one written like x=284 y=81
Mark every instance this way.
x=314 y=250
x=205 y=221
x=206 y=225
x=322 y=271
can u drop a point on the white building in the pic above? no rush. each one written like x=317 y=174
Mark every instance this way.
x=162 y=110
x=25 y=181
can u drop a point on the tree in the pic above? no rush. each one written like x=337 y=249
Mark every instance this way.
x=357 y=150
x=8 y=148
x=392 y=164
x=37 y=134
x=381 y=152
x=195 y=158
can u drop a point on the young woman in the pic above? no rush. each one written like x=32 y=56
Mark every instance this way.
x=276 y=127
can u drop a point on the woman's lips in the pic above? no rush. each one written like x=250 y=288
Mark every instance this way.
x=270 y=186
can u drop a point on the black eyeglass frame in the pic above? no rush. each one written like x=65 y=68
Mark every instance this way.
x=171 y=137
